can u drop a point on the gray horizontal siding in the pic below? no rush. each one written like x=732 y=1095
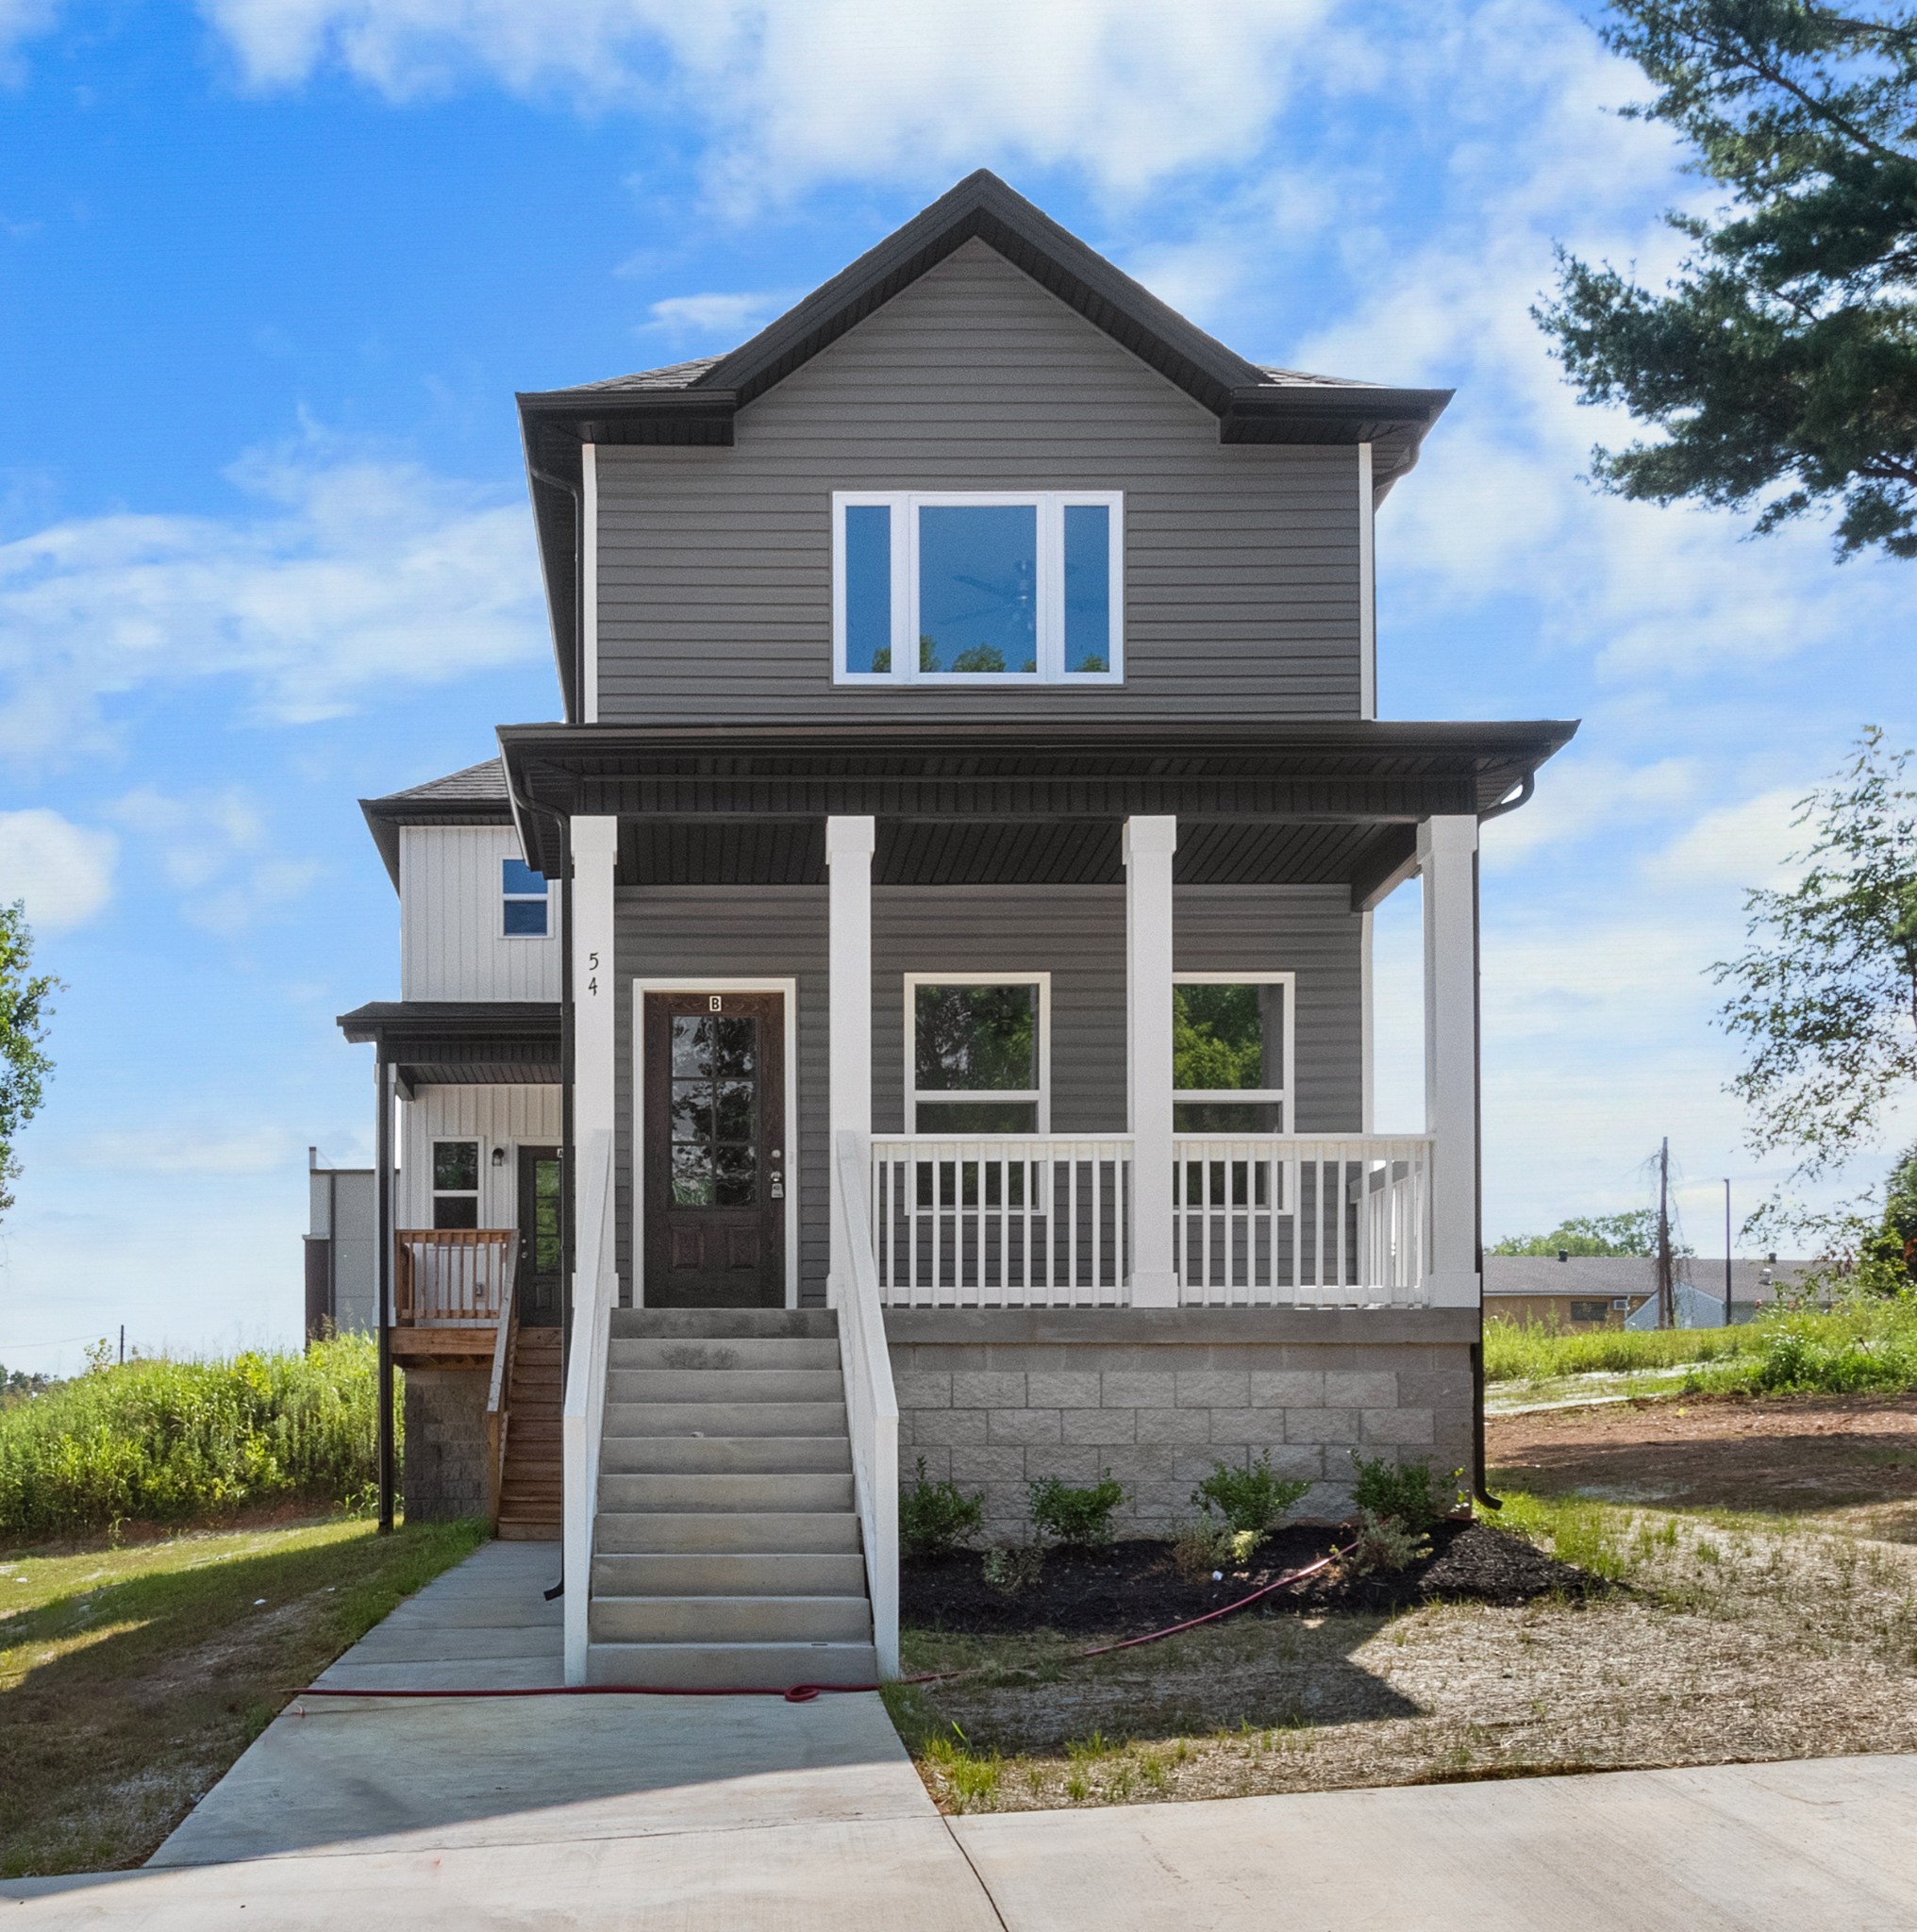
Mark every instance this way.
x=1075 y=933
x=1242 y=588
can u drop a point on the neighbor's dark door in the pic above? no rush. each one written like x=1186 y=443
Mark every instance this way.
x=539 y=1237
x=715 y=1108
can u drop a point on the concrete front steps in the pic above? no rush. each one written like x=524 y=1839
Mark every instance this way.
x=531 y=1490
x=727 y=1551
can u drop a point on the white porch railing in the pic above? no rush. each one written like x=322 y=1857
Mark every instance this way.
x=871 y=1406
x=1287 y=1220
x=1013 y=1221
x=1038 y=1221
x=595 y=1292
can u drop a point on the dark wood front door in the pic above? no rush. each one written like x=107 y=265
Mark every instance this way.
x=715 y=1153
x=540 y=1248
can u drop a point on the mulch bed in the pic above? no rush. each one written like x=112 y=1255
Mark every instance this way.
x=1131 y=1588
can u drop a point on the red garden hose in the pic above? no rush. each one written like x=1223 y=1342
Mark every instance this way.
x=804 y=1693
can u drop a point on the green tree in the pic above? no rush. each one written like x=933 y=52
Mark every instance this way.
x=1826 y=996
x=1781 y=363
x=1635 y=1233
x=25 y=1010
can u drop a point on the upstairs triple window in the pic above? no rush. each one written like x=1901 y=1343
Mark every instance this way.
x=943 y=588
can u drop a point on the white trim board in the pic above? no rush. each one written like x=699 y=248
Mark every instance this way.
x=636 y=1193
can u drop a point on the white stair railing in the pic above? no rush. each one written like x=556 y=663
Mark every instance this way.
x=1285 y=1220
x=1014 y=1220
x=595 y=1292
x=870 y=1405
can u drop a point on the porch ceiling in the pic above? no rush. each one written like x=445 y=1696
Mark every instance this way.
x=462 y=1042
x=1311 y=802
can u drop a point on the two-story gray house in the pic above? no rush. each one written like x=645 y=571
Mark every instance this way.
x=916 y=1002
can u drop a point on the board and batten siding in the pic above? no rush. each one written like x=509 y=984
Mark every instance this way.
x=511 y=1117
x=450 y=943
x=1075 y=933
x=1241 y=562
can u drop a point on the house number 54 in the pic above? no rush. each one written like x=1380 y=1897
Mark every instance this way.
x=593 y=970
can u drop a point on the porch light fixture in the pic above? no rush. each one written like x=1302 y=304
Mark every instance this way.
x=499 y=1157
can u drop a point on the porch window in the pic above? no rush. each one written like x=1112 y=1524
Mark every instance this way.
x=1231 y=1052
x=456 y=1184
x=976 y=1049
x=951 y=588
x=523 y=899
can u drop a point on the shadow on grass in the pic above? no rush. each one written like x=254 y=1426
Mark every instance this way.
x=133 y=1696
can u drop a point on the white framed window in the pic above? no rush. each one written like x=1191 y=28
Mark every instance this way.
x=1231 y=1052
x=456 y=1184
x=979 y=1052
x=943 y=587
x=523 y=903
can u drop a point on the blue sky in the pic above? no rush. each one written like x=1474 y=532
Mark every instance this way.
x=271 y=269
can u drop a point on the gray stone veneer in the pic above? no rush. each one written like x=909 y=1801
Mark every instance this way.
x=998 y=1398
x=444 y=1473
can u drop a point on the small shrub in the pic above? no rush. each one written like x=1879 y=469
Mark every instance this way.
x=1078 y=1518
x=1384 y=1542
x=1403 y=1490
x=935 y=1519
x=970 y=1776
x=1203 y=1548
x=1009 y=1568
x=1252 y=1500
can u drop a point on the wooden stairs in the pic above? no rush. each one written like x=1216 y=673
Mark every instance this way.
x=532 y=1487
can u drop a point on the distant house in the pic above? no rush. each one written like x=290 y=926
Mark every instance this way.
x=1620 y=1291
x=916 y=1005
x=342 y=1289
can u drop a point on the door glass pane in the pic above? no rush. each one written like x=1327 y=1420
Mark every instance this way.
x=868 y=586
x=456 y=1165
x=1228 y=1037
x=691 y=1045
x=737 y=1173
x=545 y=1214
x=693 y=1110
x=979 y=588
x=736 y=1112
x=692 y=1176
x=734 y=1047
x=1088 y=587
x=971 y=1039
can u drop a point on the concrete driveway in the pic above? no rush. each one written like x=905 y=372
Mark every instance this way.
x=744 y=1813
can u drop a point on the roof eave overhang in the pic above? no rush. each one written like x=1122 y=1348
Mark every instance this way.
x=384 y=817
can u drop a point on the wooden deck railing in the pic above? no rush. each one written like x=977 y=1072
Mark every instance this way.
x=451 y=1276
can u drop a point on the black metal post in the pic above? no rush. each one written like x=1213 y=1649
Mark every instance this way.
x=382 y=1156
x=1727 y=1252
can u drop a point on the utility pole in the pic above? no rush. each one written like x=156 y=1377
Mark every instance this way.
x=123 y=1344
x=1727 y=1252
x=1667 y=1300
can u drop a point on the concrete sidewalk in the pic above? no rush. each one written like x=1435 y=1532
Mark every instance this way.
x=735 y=1814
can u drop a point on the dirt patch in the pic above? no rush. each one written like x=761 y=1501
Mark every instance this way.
x=1133 y=1586
x=1803 y=1456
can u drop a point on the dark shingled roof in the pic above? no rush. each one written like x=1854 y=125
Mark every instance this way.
x=474 y=796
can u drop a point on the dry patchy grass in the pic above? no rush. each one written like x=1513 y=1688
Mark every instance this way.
x=131 y=1677
x=1731 y=1638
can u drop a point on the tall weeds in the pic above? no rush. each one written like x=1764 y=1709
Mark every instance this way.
x=164 y=1440
x=1862 y=1346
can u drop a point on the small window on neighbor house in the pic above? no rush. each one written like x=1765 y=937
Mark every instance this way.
x=953 y=588
x=976 y=1052
x=1231 y=1052
x=522 y=895
x=456 y=1184
x=1591 y=1311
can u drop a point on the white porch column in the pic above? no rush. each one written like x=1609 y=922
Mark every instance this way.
x=1447 y=858
x=848 y=862
x=1149 y=844
x=595 y=850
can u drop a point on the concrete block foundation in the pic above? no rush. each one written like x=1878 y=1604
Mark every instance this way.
x=995 y=1399
x=445 y=1473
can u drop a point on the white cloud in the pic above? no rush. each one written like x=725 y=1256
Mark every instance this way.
x=63 y=871
x=20 y=20
x=794 y=91
x=733 y=318
x=353 y=574
x=212 y=849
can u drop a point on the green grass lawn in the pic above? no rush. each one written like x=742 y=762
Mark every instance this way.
x=131 y=1677
x=1869 y=1346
